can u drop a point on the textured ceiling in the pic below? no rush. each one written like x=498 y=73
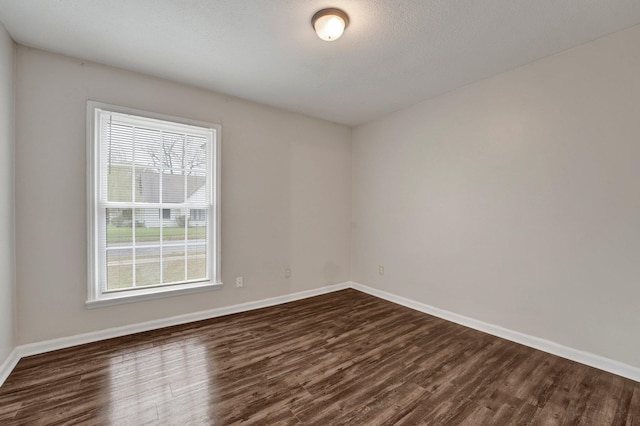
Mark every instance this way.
x=393 y=54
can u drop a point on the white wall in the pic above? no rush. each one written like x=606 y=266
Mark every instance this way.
x=514 y=200
x=285 y=182
x=7 y=281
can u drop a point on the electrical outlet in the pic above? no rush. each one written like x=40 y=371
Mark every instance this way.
x=381 y=270
x=287 y=273
x=239 y=282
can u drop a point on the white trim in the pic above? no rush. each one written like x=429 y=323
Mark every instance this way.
x=92 y=189
x=8 y=365
x=587 y=358
x=216 y=199
x=157 y=292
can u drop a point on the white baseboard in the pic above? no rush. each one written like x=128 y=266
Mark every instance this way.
x=80 y=339
x=582 y=357
x=592 y=360
x=8 y=365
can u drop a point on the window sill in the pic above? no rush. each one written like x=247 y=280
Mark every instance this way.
x=120 y=298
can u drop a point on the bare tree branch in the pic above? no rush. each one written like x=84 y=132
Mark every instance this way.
x=176 y=151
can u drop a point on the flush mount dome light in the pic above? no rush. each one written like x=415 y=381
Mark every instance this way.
x=330 y=23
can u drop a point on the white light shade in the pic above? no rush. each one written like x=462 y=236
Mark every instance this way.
x=330 y=23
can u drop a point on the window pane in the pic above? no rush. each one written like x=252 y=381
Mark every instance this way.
x=173 y=264
x=118 y=139
x=197 y=230
x=119 y=227
x=173 y=227
x=173 y=151
x=196 y=153
x=119 y=269
x=172 y=186
x=196 y=262
x=119 y=183
x=197 y=188
x=147 y=227
x=148 y=148
x=147 y=266
x=147 y=185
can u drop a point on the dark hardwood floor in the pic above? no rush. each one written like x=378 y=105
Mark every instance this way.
x=340 y=358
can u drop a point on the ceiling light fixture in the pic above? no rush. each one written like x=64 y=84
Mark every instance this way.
x=330 y=23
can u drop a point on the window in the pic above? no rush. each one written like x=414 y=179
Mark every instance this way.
x=153 y=205
x=198 y=215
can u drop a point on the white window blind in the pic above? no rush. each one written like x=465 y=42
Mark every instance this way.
x=154 y=212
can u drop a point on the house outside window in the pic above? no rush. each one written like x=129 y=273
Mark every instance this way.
x=153 y=205
x=197 y=215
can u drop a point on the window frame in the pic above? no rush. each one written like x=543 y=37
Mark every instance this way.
x=96 y=297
